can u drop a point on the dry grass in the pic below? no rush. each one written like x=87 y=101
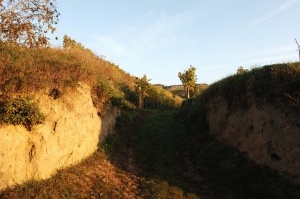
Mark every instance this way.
x=24 y=70
x=278 y=84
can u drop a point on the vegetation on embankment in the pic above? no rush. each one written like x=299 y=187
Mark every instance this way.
x=277 y=84
x=179 y=89
x=228 y=171
x=25 y=72
x=159 y=154
x=257 y=111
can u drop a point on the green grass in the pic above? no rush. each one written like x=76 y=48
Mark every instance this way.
x=159 y=153
x=20 y=111
x=177 y=153
x=277 y=84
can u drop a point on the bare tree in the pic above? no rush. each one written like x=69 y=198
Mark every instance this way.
x=27 y=22
x=298 y=48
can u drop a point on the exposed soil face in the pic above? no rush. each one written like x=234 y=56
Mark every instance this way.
x=267 y=134
x=156 y=155
x=69 y=134
x=96 y=177
x=99 y=176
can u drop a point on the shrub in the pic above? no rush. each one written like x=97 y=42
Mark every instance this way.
x=21 y=111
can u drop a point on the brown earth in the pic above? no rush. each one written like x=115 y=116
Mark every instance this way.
x=99 y=176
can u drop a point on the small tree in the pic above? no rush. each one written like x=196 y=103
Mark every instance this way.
x=241 y=70
x=26 y=22
x=189 y=80
x=141 y=87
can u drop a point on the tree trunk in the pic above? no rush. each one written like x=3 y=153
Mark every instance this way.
x=187 y=93
x=140 y=102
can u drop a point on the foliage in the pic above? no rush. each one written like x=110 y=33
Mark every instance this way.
x=106 y=93
x=141 y=88
x=278 y=83
x=159 y=98
x=24 y=71
x=189 y=80
x=178 y=90
x=27 y=22
x=241 y=70
x=20 y=111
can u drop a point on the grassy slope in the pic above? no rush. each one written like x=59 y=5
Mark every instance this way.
x=24 y=72
x=277 y=84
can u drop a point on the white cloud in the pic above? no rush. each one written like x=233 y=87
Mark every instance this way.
x=276 y=11
x=112 y=44
x=130 y=43
x=159 y=29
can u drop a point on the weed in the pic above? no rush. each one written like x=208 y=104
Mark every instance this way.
x=20 y=111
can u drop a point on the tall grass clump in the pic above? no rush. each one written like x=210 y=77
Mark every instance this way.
x=20 y=111
x=159 y=98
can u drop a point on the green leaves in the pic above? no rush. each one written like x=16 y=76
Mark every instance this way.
x=141 y=87
x=20 y=111
x=189 y=80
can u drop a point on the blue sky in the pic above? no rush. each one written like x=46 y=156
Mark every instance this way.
x=160 y=38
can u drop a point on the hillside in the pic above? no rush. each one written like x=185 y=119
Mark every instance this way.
x=70 y=110
x=25 y=71
x=258 y=113
x=62 y=102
